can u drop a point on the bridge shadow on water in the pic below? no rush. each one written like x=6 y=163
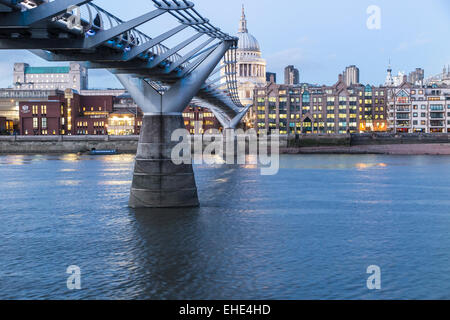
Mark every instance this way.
x=173 y=256
x=181 y=253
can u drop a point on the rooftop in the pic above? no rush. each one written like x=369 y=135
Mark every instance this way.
x=46 y=70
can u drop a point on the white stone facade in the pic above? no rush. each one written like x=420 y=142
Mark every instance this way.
x=73 y=77
x=414 y=109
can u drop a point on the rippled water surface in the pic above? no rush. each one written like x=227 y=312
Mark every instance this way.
x=309 y=232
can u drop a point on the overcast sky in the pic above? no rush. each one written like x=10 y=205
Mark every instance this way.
x=319 y=37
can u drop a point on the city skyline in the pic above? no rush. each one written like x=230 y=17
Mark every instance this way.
x=408 y=38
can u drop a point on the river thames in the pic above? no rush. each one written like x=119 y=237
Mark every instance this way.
x=309 y=232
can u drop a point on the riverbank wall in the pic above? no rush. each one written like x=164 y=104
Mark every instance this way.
x=66 y=144
x=379 y=143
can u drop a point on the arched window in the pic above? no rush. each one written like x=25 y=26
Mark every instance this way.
x=306 y=98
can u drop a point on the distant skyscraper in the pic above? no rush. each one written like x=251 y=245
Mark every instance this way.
x=416 y=77
x=271 y=77
x=291 y=75
x=351 y=75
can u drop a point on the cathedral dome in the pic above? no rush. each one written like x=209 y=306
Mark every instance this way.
x=247 y=42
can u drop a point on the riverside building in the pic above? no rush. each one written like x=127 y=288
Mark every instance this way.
x=307 y=109
x=66 y=113
x=10 y=100
x=126 y=119
x=419 y=109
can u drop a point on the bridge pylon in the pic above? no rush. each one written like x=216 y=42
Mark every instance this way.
x=157 y=181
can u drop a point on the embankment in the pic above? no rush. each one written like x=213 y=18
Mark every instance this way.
x=376 y=143
x=379 y=143
x=66 y=144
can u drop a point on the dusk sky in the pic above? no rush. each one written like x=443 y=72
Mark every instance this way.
x=319 y=37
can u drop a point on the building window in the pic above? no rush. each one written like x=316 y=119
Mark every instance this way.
x=44 y=123
x=35 y=123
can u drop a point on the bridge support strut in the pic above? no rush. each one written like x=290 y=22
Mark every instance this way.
x=158 y=182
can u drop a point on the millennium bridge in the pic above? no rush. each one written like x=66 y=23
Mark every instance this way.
x=162 y=80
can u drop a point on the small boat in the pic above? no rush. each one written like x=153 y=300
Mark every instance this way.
x=95 y=152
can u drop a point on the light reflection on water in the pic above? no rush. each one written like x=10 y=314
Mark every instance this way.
x=308 y=233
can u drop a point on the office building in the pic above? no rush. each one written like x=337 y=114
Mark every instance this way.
x=291 y=75
x=419 y=109
x=271 y=77
x=307 y=109
x=351 y=75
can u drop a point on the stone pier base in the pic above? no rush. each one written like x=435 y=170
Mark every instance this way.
x=157 y=181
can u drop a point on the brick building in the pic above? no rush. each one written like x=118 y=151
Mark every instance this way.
x=6 y=126
x=66 y=114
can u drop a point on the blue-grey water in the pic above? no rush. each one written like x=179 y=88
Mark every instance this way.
x=309 y=232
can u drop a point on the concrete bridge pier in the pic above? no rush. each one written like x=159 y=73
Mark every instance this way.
x=157 y=181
